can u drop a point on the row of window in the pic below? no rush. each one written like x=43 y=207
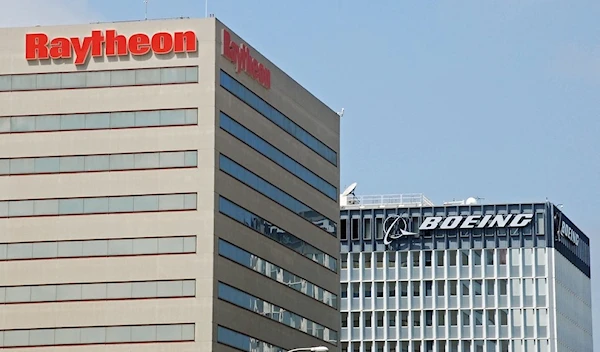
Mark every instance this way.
x=97 y=335
x=244 y=342
x=374 y=227
x=106 y=162
x=265 y=148
x=98 y=205
x=430 y=318
x=518 y=287
x=276 y=233
x=98 y=120
x=98 y=291
x=487 y=345
x=262 y=186
x=450 y=257
x=254 y=304
x=98 y=79
x=276 y=273
x=98 y=248
x=279 y=119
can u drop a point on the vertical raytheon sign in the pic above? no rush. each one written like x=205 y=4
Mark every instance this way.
x=39 y=46
x=239 y=55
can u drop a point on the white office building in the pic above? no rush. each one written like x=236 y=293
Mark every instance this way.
x=462 y=277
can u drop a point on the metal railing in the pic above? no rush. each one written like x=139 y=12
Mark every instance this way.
x=408 y=199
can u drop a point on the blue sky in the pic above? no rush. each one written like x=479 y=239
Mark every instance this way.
x=494 y=99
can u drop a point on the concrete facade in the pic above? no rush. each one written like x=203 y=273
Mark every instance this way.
x=173 y=228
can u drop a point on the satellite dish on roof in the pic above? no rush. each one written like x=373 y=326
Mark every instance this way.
x=350 y=189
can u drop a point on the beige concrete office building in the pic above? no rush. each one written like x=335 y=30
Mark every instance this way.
x=164 y=187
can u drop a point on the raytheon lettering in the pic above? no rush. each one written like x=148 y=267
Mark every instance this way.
x=239 y=55
x=38 y=46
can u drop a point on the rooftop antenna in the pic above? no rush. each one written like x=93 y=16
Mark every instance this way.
x=206 y=8
x=146 y=10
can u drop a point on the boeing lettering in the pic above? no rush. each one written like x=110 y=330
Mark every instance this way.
x=569 y=233
x=38 y=46
x=475 y=221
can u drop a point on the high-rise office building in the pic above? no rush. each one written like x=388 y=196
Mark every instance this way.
x=165 y=187
x=462 y=277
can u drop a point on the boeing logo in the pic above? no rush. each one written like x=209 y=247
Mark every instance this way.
x=395 y=226
x=568 y=232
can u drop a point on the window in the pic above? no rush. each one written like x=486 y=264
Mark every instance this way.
x=441 y=318
x=416 y=285
x=287 y=278
x=489 y=256
x=404 y=318
x=367 y=230
x=416 y=318
x=277 y=195
x=391 y=260
x=367 y=258
x=440 y=258
x=87 y=163
x=378 y=228
x=355 y=260
x=464 y=255
x=246 y=301
x=343 y=229
x=355 y=319
x=403 y=288
x=491 y=317
x=344 y=320
x=243 y=342
x=477 y=257
x=379 y=258
x=355 y=290
x=98 y=205
x=453 y=284
x=344 y=260
x=466 y=318
x=391 y=319
x=97 y=335
x=427 y=258
x=391 y=289
x=453 y=317
x=540 y=223
x=502 y=254
x=276 y=233
x=89 y=79
x=465 y=287
x=452 y=257
x=379 y=317
x=271 y=152
x=502 y=287
x=477 y=287
x=354 y=229
x=428 y=288
x=379 y=289
x=279 y=119
x=344 y=291
x=491 y=290
x=441 y=285
x=428 y=318
x=416 y=255
x=367 y=316
x=403 y=259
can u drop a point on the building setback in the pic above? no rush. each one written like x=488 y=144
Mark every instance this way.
x=165 y=187
x=462 y=277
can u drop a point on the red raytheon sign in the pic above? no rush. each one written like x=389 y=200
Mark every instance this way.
x=240 y=55
x=38 y=46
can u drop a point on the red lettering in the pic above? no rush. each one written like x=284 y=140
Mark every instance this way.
x=35 y=46
x=39 y=47
x=185 y=42
x=60 y=48
x=113 y=40
x=241 y=57
x=82 y=49
x=139 y=44
x=162 y=43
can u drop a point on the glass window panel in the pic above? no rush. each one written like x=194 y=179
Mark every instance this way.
x=147 y=76
x=97 y=162
x=190 y=201
x=168 y=332
x=172 y=75
x=97 y=79
x=95 y=205
x=3 y=251
x=70 y=206
x=43 y=293
x=173 y=117
x=93 y=291
x=3 y=208
x=24 y=82
x=93 y=335
x=41 y=337
x=191 y=158
x=187 y=332
x=122 y=119
x=169 y=289
x=95 y=248
x=118 y=334
x=22 y=166
x=145 y=246
x=82 y=79
x=172 y=159
x=67 y=336
x=119 y=290
x=68 y=292
x=4 y=166
x=72 y=164
x=48 y=80
x=191 y=74
x=170 y=245
x=22 y=123
x=122 y=78
x=120 y=204
x=47 y=164
x=4 y=123
x=5 y=83
x=191 y=116
x=121 y=162
x=189 y=244
x=47 y=123
x=145 y=203
x=120 y=247
x=170 y=202
x=18 y=294
x=146 y=161
x=45 y=250
x=189 y=288
x=96 y=121
x=70 y=249
x=143 y=289
x=147 y=118
x=72 y=122
x=13 y=338
x=20 y=208
x=143 y=333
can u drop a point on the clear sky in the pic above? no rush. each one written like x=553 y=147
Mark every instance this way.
x=493 y=99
